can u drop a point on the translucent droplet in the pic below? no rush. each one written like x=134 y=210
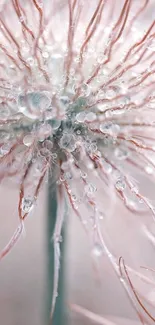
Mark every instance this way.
x=86 y=90
x=83 y=175
x=93 y=148
x=44 y=132
x=107 y=167
x=120 y=184
x=27 y=204
x=45 y=55
x=90 y=117
x=97 y=250
x=65 y=100
x=55 y=124
x=54 y=156
x=80 y=117
x=68 y=141
x=4 y=150
x=74 y=197
x=121 y=153
x=28 y=140
x=90 y=189
x=101 y=215
x=33 y=104
x=110 y=128
x=68 y=175
x=101 y=107
x=110 y=93
x=149 y=169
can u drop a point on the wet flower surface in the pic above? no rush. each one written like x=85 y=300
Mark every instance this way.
x=77 y=105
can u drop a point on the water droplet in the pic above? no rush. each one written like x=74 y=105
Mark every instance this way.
x=4 y=150
x=44 y=132
x=110 y=128
x=101 y=215
x=90 y=117
x=83 y=175
x=65 y=100
x=121 y=153
x=149 y=169
x=28 y=140
x=54 y=156
x=110 y=93
x=27 y=204
x=120 y=184
x=80 y=117
x=74 y=198
x=45 y=55
x=68 y=175
x=107 y=167
x=55 y=124
x=97 y=250
x=33 y=104
x=58 y=238
x=90 y=189
x=134 y=188
x=68 y=141
x=102 y=107
x=86 y=90
x=93 y=148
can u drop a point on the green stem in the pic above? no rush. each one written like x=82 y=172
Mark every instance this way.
x=58 y=317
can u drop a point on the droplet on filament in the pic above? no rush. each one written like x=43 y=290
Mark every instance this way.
x=33 y=104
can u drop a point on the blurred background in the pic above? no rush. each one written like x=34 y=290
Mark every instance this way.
x=23 y=272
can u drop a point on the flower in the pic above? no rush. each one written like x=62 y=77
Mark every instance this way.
x=77 y=105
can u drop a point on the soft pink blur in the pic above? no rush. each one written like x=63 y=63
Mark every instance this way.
x=22 y=273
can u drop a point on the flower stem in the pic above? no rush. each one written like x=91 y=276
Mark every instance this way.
x=58 y=316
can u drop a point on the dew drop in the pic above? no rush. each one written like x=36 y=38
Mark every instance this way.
x=90 y=189
x=107 y=167
x=101 y=107
x=68 y=142
x=33 y=104
x=28 y=140
x=120 y=184
x=55 y=124
x=101 y=215
x=65 y=100
x=74 y=198
x=68 y=175
x=90 y=117
x=83 y=175
x=4 y=150
x=86 y=90
x=27 y=204
x=110 y=93
x=97 y=250
x=80 y=117
x=121 y=153
x=44 y=132
x=149 y=169
x=109 y=128
x=45 y=55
